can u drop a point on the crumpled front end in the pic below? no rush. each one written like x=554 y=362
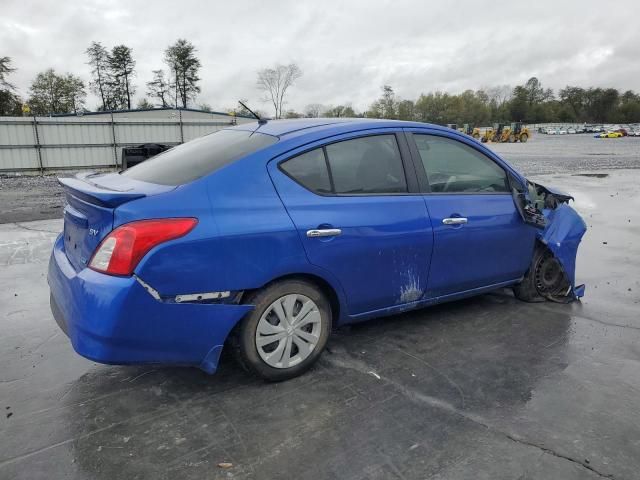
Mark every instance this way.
x=560 y=229
x=562 y=235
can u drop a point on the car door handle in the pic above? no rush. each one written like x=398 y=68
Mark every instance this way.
x=454 y=221
x=324 y=232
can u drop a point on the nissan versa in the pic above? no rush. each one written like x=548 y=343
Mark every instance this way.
x=266 y=235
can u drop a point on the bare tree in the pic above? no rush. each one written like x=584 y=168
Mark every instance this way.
x=499 y=94
x=159 y=88
x=313 y=110
x=275 y=82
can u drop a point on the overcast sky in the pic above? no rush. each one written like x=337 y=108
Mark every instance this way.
x=346 y=49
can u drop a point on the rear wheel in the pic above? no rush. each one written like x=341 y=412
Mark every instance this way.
x=512 y=138
x=286 y=332
x=524 y=137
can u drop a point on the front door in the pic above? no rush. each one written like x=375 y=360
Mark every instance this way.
x=351 y=203
x=479 y=237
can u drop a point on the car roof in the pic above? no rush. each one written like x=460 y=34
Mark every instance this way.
x=280 y=128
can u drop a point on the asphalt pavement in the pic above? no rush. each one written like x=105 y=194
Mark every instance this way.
x=485 y=388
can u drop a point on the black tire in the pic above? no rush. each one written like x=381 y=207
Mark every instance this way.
x=524 y=137
x=247 y=349
x=512 y=138
x=545 y=278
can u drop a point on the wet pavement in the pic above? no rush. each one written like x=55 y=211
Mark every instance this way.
x=486 y=388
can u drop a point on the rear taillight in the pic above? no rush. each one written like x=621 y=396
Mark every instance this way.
x=120 y=252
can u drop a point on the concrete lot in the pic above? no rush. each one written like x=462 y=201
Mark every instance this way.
x=484 y=388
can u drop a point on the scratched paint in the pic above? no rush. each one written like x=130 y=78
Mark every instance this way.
x=410 y=291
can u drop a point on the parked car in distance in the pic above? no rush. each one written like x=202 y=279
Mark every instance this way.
x=552 y=131
x=264 y=236
x=571 y=130
x=608 y=135
x=562 y=131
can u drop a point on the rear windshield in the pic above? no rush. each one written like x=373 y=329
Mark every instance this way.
x=197 y=158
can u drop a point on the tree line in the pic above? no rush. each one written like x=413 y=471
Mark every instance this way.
x=113 y=73
x=529 y=103
x=113 y=81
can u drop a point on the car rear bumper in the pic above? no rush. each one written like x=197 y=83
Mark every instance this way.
x=114 y=320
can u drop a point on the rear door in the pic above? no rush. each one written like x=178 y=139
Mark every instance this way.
x=479 y=236
x=360 y=216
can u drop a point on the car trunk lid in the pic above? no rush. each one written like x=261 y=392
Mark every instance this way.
x=91 y=201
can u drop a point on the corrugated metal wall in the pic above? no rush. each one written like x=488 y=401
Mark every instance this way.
x=50 y=143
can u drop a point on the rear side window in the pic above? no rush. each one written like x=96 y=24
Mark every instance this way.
x=310 y=170
x=453 y=167
x=197 y=158
x=367 y=165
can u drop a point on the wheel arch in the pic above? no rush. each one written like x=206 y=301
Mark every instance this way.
x=337 y=306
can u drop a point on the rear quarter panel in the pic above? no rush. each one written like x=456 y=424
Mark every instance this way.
x=244 y=238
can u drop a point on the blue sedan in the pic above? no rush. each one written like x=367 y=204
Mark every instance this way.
x=265 y=236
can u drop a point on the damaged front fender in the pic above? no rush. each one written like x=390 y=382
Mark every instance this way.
x=560 y=227
x=562 y=234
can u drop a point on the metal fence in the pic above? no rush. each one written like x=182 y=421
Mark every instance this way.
x=39 y=144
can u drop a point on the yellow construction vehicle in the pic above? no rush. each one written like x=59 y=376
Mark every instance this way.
x=470 y=130
x=493 y=134
x=516 y=133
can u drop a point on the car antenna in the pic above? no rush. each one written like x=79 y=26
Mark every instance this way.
x=261 y=121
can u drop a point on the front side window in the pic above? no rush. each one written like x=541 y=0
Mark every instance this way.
x=453 y=167
x=367 y=165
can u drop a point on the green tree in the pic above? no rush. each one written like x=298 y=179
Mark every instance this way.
x=10 y=103
x=5 y=70
x=184 y=66
x=572 y=100
x=52 y=93
x=121 y=71
x=100 y=74
x=406 y=110
x=629 y=109
x=385 y=106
